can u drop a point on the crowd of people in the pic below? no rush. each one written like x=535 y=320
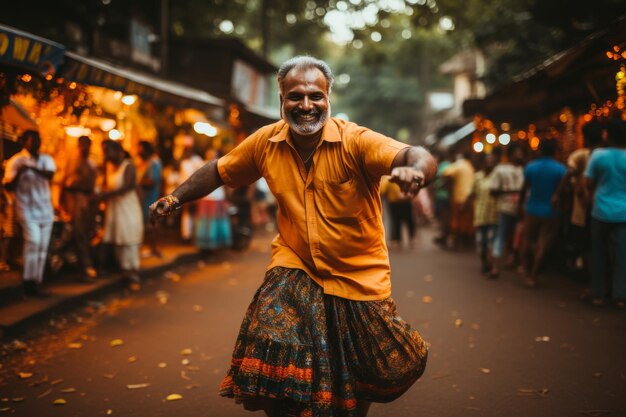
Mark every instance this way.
x=524 y=211
x=520 y=210
x=100 y=221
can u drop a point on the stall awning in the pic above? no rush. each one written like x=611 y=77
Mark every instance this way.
x=574 y=78
x=452 y=138
x=92 y=71
x=29 y=52
x=14 y=115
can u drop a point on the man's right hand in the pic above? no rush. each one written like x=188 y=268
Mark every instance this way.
x=163 y=207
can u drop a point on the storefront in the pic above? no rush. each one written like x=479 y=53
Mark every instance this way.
x=21 y=53
x=64 y=95
x=554 y=99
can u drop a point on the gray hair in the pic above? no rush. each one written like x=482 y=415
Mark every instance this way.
x=304 y=62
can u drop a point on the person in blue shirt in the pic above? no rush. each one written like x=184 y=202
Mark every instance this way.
x=541 y=221
x=606 y=184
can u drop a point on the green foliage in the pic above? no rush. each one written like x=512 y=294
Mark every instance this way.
x=389 y=79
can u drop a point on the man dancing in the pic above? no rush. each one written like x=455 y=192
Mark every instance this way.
x=322 y=336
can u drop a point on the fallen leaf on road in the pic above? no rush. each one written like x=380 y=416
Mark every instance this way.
x=6 y=409
x=427 y=299
x=172 y=276
x=162 y=365
x=185 y=362
x=116 y=342
x=56 y=381
x=75 y=345
x=39 y=382
x=25 y=375
x=17 y=399
x=174 y=397
x=68 y=390
x=542 y=339
x=109 y=412
x=163 y=297
x=458 y=323
x=475 y=326
x=18 y=345
x=184 y=376
x=45 y=393
x=132 y=359
x=186 y=352
x=192 y=386
x=193 y=368
x=137 y=386
x=59 y=401
x=109 y=376
x=485 y=370
x=197 y=308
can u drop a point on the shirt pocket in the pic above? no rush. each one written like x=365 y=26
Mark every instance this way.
x=342 y=201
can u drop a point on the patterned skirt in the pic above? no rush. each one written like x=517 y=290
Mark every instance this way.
x=319 y=354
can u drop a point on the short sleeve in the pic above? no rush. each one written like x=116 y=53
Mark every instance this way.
x=238 y=167
x=450 y=170
x=48 y=163
x=590 y=171
x=379 y=151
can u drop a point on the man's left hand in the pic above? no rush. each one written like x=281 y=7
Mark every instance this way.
x=411 y=180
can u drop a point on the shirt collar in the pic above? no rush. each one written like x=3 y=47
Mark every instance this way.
x=330 y=132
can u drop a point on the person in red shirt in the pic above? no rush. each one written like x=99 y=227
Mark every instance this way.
x=322 y=335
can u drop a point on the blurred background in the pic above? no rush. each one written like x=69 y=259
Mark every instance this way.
x=435 y=72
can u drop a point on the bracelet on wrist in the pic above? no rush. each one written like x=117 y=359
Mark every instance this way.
x=172 y=201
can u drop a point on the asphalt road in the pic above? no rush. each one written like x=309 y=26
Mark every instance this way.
x=497 y=348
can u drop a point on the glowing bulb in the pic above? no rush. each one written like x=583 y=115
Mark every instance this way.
x=478 y=147
x=504 y=139
x=115 y=134
x=491 y=138
x=129 y=100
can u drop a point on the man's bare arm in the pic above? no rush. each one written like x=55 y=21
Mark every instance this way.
x=413 y=168
x=202 y=182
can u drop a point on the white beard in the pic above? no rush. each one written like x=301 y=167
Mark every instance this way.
x=306 y=129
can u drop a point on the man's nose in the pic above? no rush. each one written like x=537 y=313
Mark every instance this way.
x=306 y=104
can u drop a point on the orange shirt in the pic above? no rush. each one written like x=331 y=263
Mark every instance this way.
x=329 y=219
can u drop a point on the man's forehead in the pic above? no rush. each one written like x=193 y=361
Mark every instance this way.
x=307 y=75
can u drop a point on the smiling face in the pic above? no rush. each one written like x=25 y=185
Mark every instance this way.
x=304 y=100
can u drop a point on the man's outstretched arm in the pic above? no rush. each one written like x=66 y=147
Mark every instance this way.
x=413 y=168
x=201 y=183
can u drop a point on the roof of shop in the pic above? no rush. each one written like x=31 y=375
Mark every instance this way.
x=95 y=71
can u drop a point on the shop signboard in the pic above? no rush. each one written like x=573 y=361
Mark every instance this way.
x=29 y=52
